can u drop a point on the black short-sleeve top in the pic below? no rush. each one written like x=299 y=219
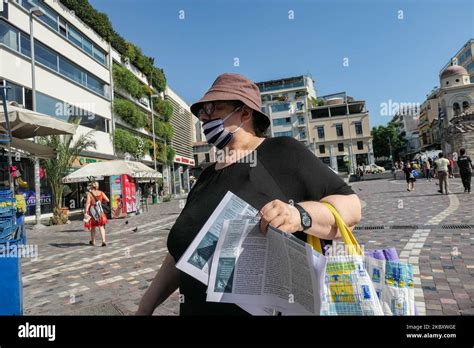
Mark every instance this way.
x=279 y=168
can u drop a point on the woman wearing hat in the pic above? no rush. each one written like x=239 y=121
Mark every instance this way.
x=285 y=170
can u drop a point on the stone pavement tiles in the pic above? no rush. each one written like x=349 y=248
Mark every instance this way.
x=427 y=230
x=70 y=277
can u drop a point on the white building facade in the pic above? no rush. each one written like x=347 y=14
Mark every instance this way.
x=287 y=101
x=74 y=82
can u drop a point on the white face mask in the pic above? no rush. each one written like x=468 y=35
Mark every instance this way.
x=215 y=132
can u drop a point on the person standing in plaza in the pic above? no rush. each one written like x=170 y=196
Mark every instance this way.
x=410 y=176
x=442 y=170
x=91 y=223
x=232 y=119
x=465 y=169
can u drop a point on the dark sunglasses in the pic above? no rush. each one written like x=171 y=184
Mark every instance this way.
x=208 y=108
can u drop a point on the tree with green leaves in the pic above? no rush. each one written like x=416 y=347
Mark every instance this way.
x=386 y=138
x=67 y=151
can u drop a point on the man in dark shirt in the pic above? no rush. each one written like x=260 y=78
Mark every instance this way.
x=465 y=169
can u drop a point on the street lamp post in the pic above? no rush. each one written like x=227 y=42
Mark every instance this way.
x=35 y=11
x=153 y=131
x=168 y=172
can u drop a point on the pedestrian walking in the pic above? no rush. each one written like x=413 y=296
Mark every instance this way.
x=465 y=169
x=410 y=176
x=232 y=119
x=427 y=169
x=442 y=170
x=451 y=166
x=95 y=216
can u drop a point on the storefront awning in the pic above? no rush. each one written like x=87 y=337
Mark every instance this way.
x=25 y=123
x=98 y=170
x=30 y=148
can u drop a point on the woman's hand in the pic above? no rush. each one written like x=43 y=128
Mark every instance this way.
x=281 y=215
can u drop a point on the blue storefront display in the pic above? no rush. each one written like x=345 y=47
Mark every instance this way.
x=12 y=240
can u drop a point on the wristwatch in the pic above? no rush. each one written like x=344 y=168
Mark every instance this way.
x=306 y=220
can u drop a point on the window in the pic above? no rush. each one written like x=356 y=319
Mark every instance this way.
x=90 y=121
x=340 y=147
x=299 y=106
x=49 y=58
x=470 y=66
x=49 y=106
x=95 y=84
x=282 y=121
x=69 y=113
x=28 y=99
x=283 y=134
x=339 y=131
x=303 y=135
x=207 y=157
x=301 y=120
x=45 y=56
x=360 y=145
x=19 y=94
x=70 y=70
x=8 y=36
x=14 y=93
x=50 y=17
x=322 y=149
x=358 y=128
x=25 y=45
x=59 y=24
x=99 y=55
x=74 y=37
x=62 y=27
x=321 y=132
x=87 y=46
x=465 y=105
x=280 y=107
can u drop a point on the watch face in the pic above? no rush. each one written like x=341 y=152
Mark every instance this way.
x=306 y=221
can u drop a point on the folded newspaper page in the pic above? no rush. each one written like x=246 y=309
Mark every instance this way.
x=197 y=258
x=274 y=270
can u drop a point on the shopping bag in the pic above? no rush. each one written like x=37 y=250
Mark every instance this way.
x=347 y=287
x=391 y=279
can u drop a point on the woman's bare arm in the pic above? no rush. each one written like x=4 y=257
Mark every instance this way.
x=165 y=283
x=324 y=225
x=104 y=196
x=88 y=202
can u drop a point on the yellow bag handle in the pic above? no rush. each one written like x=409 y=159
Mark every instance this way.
x=346 y=233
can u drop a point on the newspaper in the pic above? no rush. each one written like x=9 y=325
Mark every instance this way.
x=275 y=270
x=197 y=258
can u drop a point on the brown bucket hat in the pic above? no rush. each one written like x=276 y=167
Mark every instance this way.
x=229 y=86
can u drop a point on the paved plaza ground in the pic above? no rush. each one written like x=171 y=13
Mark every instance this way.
x=434 y=232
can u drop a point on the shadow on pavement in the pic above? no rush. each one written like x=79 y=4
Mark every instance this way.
x=67 y=245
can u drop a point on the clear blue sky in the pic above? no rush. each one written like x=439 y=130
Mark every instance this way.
x=389 y=58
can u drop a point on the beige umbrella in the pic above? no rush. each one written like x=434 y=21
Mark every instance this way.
x=98 y=170
x=25 y=123
x=31 y=148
